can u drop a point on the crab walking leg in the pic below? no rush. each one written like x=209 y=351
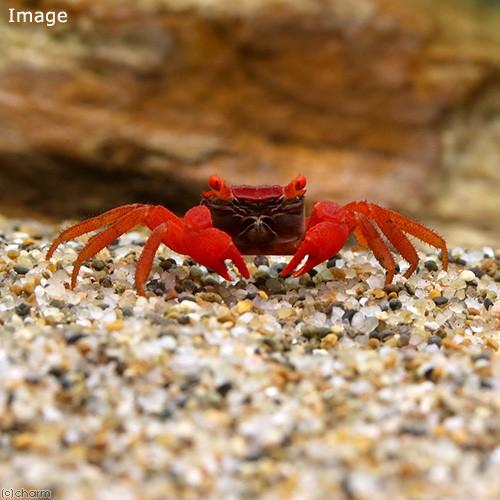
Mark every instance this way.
x=148 y=253
x=104 y=238
x=398 y=239
x=400 y=242
x=358 y=234
x=90 y=225
x=407 y=225
x=378 y=247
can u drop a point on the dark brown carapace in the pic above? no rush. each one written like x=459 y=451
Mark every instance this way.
x=261 y=220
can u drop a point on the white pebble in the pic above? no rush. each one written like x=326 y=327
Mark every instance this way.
x=467 y=276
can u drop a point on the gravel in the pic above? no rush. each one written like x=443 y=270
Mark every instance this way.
x=329 y=385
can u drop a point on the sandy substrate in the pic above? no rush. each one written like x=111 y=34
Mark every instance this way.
x=327 y=386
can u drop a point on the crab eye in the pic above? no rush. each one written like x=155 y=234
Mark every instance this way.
x=295 y=188
x=219 y=188
x=300 y=183
x=215 y=183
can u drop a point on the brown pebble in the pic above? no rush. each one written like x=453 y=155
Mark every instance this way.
x=378 y=293
x=115 y=326
x=491 y=343
x=329 y=341
x=13 y=254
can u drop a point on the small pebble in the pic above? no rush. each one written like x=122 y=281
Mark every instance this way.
x=311 y=331
x=431 y=265
x=487 y=303
x=106 y=282
x=223 y=389
x=395 y=304
x=440 y=301
x=404 y=340
x=467 y=275
x=21 y=269
x=275 y=286
x=329 y=341
x=495 y=310
x=434 y=339
x=98 y=264
x=261 y=260
x=22 y=309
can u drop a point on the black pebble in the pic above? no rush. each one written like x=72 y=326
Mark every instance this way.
x=155 y=286
x=434 y=339
x=60 y=304
x=21 y=269
x=395 y=304
x=349 y=314
x=332 y=262
x=186 y=286
x=22 y=309
x=106 y=282
x=184 y=297
x=184 y=320
x=224 y=388
x=167 y=264
x=127 y=312
x=478 y=273
x=98 y=264
x=440 y=301
x=73 y=338
x=487 y=303
x=261 y=260
x=430 y=265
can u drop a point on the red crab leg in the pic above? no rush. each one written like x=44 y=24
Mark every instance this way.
x=104 y=238
x=378 y=247
x=392 y=232
x=148 y=253
x=204 y=243
x=407 y=225
x=322 y=241
x=192 y=235
x=90 y=225
x=208 y=246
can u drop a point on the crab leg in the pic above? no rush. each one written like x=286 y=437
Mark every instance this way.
x=400 y=242
x=330 y=224
x=90 y=225
x=148 y=253
x=378 y=247
x=407 y=225
x=104 y=238
x=207 y=245
x=191 y=235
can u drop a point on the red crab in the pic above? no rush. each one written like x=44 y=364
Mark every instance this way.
x=236 y=220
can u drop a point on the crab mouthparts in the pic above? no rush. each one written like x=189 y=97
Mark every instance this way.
x=259 y=229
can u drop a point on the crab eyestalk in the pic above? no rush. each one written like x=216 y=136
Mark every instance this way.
x=219 y=188
x=295 y=188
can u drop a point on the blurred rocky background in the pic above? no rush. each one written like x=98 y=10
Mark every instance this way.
x=396 y=101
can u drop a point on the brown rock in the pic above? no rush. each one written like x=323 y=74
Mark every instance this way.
x=143 y=101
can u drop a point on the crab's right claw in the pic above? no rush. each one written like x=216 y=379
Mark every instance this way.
x=211 y=247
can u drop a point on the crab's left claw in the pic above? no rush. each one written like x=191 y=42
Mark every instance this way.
x=211 y=247
x=321 y=242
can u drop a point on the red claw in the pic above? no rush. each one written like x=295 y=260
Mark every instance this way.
x=321 y=242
